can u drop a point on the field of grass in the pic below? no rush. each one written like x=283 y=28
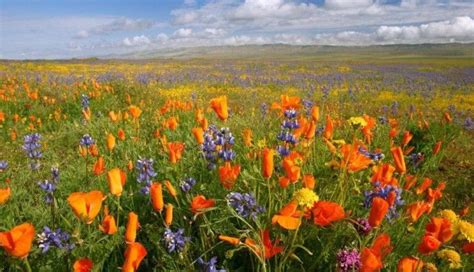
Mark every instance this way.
x=362 y=165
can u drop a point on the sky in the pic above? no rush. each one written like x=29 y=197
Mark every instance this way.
x=51 y=29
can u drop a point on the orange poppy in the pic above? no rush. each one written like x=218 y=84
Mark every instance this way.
x=116 y=178
x=172 y=123
x=425 y=185
x=17 y=241
x=228 y=175
x=113 y=117
x=156 y=193
x=315 y=113
x=468 y=248
x=289 y=217
x=440 y=228
x=99 y=166
x=437 y=147
x=410 y=182
x=169 y=214
x=134 y=111
x=132 y=227
x=247 y=135
x=198 y=133
x=219 y=105
x=121 y=134
x=367 y=129
x=231 y=240
x=87 y=113
x=447 y=117
x=108 y=225
x=378 y=211
x=399 y=159
x=329 y=128
x=326 y=212
x=86 y=206
x=384 y=175
x=428 y=244
x=371 y=258
x=175 y=151
x=287 y=102
x=353 y=160
x=170 y=188
x=270 y=248
x=200 y=202
x=267 y=163
x=407 y=136
x=83 y=265
x=309 y=181
x=94 y=150
x=133 y=257
x=409 y=264
x=4 y=195
x=416 y=210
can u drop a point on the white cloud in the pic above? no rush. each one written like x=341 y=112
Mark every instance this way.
x=183 y=32
x=345 y=4
x=137 y=41
x=116 y=25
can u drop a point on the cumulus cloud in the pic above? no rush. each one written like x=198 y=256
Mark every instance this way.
x=183 y=32
x=345 y=4
x=116 y=25
x=137 y=41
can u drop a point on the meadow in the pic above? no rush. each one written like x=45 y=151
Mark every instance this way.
x=237 y=165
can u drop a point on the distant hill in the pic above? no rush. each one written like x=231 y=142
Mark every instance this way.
x=295 y=52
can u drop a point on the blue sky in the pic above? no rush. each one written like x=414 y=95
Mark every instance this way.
x=31 y=29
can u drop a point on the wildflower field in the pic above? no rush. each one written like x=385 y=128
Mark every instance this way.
x=236 y=165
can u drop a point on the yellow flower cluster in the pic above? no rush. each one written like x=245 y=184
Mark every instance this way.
x=305 y=197
x=452 y=257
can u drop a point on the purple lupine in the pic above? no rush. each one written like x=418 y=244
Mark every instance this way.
x=3 y=165
x=209 y=266
x=49 y=188
x=383 y=192
x=187 y=184
x=244 y=204
x=264 y=109
x=416 y=159
x=86 y=140
x=85 y=101
x=468 y=124
x=362 y=226
x=348 y=260
x=175 y=241
x=145 y=173
x=217 y=145
x=58 y=238
x=55 y=174
x=373 y=156
x=286 y=134
x=32 y=148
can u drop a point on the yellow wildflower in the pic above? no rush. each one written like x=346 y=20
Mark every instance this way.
x=453 y=218
x=305 y=197
x=430 y=267
x=467 y=230
x=357 y=121
x=452 y=257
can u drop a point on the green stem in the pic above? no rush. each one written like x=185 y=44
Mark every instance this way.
x=27 y=264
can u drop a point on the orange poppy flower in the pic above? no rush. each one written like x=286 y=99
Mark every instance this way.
x=270 y=248
x=169 y=214
x=156 y=194
x=267 y=163
x=121 y=134
x=219 y=105
x=231 y=240
x=287 y=102
x=384 y=175
x=17 y=242
x=116 y=178
x=94 y=150
x=228 y=175
x=437 y=147
x=4 y=195
x=393 y=133
x=326 y=212
x=407 y=136
x=329 y=128
x=440 y=228
x=175 y=151
x=99 y=166
x=132 y=227
x=289 y=217
x=425 y=185
x=86 y=206
x=353 y=160
x=367 y=129
x=378 y=211
x=315 y=113
x=410 y=182
x=428 y=244
x=172 y=123
x=416 y=210
x=133 y=257
x=108 y=225
x=113 y=117
x=371 y=258
x=309 y=181
x=409 y=264
x=447 y=117
x=170 y=188
x=134 y=111
x=399 y=159
x=198 y=133
x=200 y=202
x=87 y=113
x=83 y=265
x=247 y=135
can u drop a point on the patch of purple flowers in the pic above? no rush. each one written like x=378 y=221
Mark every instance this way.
x=187 y=184
x=209 y=266
x=175 y=241
x=86 y=140
x=373 y=156
x=378 y=191
x=145 y=173
x=217 y=145
x=32 y=148
x=286 y=135
x=3 y=166
x=244 y=204
x=58 y=238
x=362 y=226
x=348 y=260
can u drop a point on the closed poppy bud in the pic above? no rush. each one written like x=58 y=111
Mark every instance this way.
x=13 y=135
x=86 y=206
x=408 y=150
x=83 y=265
x=328 y=129
x=410 y=181
x=133 y=257
x=156 y=193
x=284 y=182
x=116 y=179
x=200 y=202
x=219 y=105
x=113 y=116
x=108 y=225
x=17 y=241
x=172 y=123
x=399 y=159
x=310 y=130
x=175 y=150
x=447 y=117
x=110 y=142
x=393 y=132
x=267 y=165
x=231 y=240
x=134 y=111
x=83 y=151
x=157 y=134
x=94 y=150
x=315 y=113
x=378 y=211
x=121 y=134
x=407 y=136
x=425 y=185
x=87 y=114
x=437 y=147
x=132 y=227
x=169 y=214
x=130 y=165
x=309 y=181
x=428 y=244
x=99 y=166
x=204 y=124
x=170 y=188
x=4 y=195
x=416 y=210
x=409 y=264
x=247 y=135
x=198 y=134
